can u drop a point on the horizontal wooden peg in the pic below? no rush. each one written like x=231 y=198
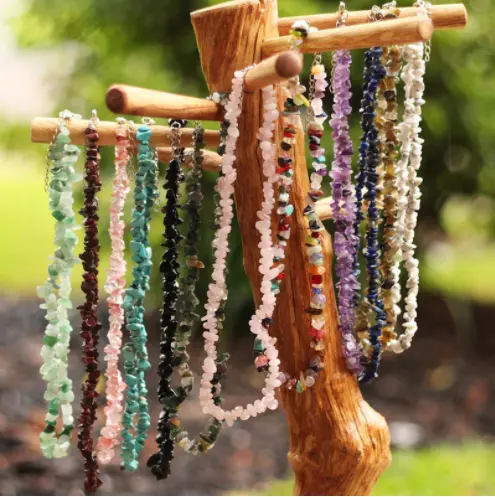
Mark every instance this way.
x=273 y=70
x=323 y=208
x=131 y=100
x=398 y=32
x=447 y=16
x=43 y=129
x=211 y=160
x=134 y=101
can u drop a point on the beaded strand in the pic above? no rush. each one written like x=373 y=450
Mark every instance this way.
x=294 y=100
x=89 y=309
x=135 y=352
x=188 y=303
x=115 y=288
x=409 y=185
x=368 y=177
x=314 y=247
x=169 y=268
x=343 y=201
x=387 y=113
x=217 y=290
x=56 y=294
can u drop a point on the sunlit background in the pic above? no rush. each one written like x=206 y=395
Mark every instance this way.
x=438 y=397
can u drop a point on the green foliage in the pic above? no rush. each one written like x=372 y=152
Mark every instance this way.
x=443 y=470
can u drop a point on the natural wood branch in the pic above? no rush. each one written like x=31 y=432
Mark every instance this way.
x=211 y=160
x=43 y=129
x=124 y=99
x=448 y=16
x=399 y=32
x=338 y=444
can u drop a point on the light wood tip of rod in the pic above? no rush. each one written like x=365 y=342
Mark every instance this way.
x=425 y=29
x=289 y=64
x=115 y=99
x=465 y=15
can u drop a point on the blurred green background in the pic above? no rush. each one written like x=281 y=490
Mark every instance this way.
x=57 y=54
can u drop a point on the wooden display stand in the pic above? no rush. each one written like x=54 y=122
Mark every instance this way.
x=338 y=444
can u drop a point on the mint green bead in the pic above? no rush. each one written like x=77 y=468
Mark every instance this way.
x=49 y=341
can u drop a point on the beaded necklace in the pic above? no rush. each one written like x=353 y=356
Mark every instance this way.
x=169 y=268
x=415 y=57
x=56 y=293
x=284 y=181
x=314 y=247
x=387 y=114
x=135 y=351
x=172 y=430
x=343 y=201
x=89 y=309
x=368 y=177
x=217 y=289
x=115 y=288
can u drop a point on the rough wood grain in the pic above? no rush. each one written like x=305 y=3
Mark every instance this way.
x=378 y=34
x=447 y=16
x=43 y=129
x=338 y=444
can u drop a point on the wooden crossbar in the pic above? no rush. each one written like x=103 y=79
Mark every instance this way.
x=400 y=32
x=447 y=16
x=43 y=129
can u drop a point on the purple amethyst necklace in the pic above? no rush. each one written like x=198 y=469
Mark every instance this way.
x=343 y=201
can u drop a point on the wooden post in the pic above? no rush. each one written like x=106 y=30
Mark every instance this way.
x=338 y=444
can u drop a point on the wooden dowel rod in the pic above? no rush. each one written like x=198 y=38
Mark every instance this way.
x=211 y=160
x=43 y=129
x=399 y=32
x=273 y=70
x=323 y=209
x=131 y=100
x=448 y=16
x=124 y=99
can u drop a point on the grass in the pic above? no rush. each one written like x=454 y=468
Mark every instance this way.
x=442 y=470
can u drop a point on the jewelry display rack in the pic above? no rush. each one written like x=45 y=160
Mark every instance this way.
x=338 y=444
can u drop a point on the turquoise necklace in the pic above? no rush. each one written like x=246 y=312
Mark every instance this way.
x=135 y=351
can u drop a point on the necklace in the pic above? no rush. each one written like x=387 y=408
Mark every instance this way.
x=367 y=177
x=56 y=294
x=135 y=352
x=217 y=289
x=115 y=288
x=343 y=201
x=387 y=114
x=170 y=357
x=409 y=186
x=89 y=310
